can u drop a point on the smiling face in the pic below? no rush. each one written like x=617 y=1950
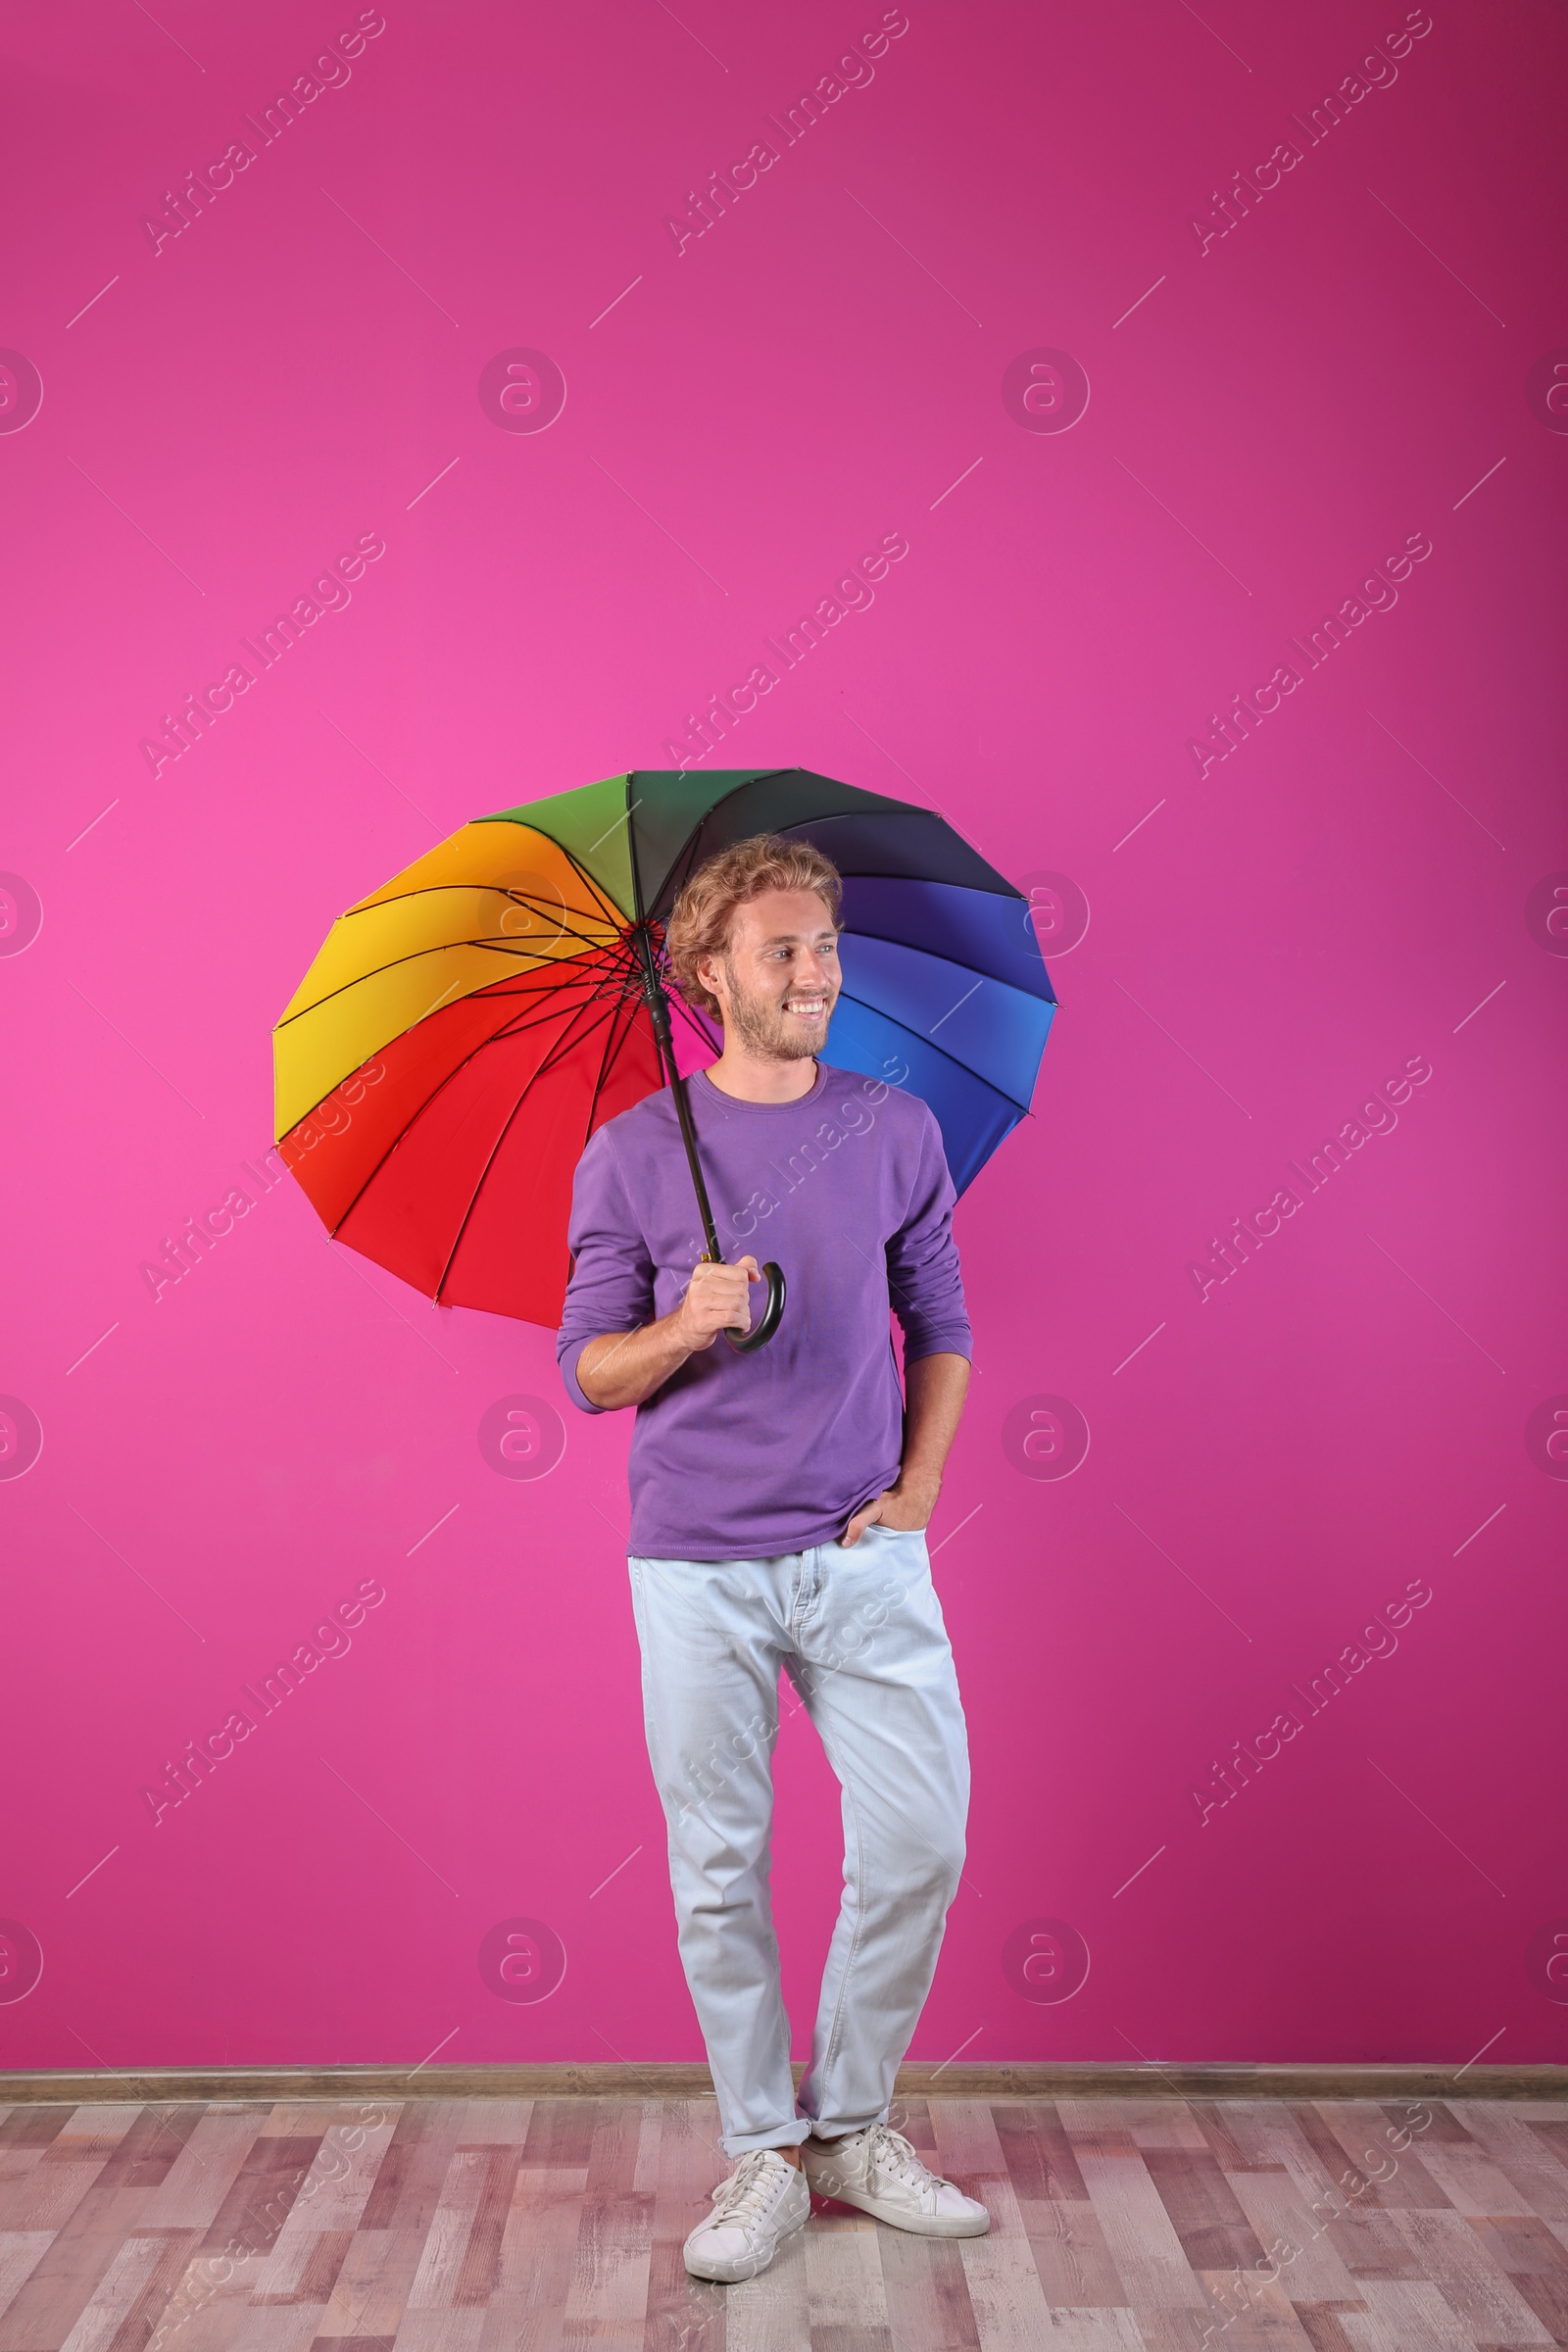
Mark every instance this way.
x=777 y=979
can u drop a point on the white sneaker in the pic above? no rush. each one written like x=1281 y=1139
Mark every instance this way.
x=765 y=2199
x=878 y=2170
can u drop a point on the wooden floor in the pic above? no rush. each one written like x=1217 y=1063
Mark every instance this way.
x=508 y=2225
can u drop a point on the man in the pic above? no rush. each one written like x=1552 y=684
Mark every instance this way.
x=779 y=1506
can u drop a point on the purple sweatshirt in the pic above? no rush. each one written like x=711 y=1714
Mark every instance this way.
x=746 y=1456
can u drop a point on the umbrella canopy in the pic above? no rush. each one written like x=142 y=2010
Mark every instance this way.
x=465 y=1028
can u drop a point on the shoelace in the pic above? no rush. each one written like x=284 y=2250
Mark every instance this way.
x=747 y=2192
x=891 y=2149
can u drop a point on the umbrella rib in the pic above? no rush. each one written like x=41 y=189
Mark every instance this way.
x=516 y=1024
x=615 y=983
x=953 y=963
x=932 y=879
x=412 y=1121
x=528 y=898
x=1018 y=898
x=612 y=1048
x=539 y=964
x=614 y=922
x=761 y=775
x=766 y=775
x=849 y=817
x=692 y=1019
x=990 y=1083
x=586 y=939
x=557 y=1055
x=511 y=1025
x=614 y=914
x=639 y=911
x=564 y=1044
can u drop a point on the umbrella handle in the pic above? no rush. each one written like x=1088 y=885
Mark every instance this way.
x=767 y=1321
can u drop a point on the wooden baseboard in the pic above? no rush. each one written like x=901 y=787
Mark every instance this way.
x=166 y=2085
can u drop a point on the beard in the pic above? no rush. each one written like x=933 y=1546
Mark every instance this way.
x=763 y=1027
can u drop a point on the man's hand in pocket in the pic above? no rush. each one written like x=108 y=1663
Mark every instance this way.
x=902 y=1508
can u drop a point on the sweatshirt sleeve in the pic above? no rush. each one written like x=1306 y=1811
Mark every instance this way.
x=924 y=1280
x=611 y=1286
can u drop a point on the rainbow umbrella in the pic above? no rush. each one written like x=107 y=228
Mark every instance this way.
x=465 y=1028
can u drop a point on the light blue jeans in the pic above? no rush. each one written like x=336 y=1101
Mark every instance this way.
x=859 y=1634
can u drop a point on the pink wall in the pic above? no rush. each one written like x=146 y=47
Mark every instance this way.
x=1246 y=948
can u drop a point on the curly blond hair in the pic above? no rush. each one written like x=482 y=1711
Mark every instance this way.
x=700 y=920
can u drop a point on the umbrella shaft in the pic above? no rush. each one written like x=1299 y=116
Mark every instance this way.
x=663 y=1040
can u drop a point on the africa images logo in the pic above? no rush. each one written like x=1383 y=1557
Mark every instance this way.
x=1044 y=1436
x=1045 y=1960
x=522 y=1437
x=20 y=914
x=20 y=391
x=522 y=1960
